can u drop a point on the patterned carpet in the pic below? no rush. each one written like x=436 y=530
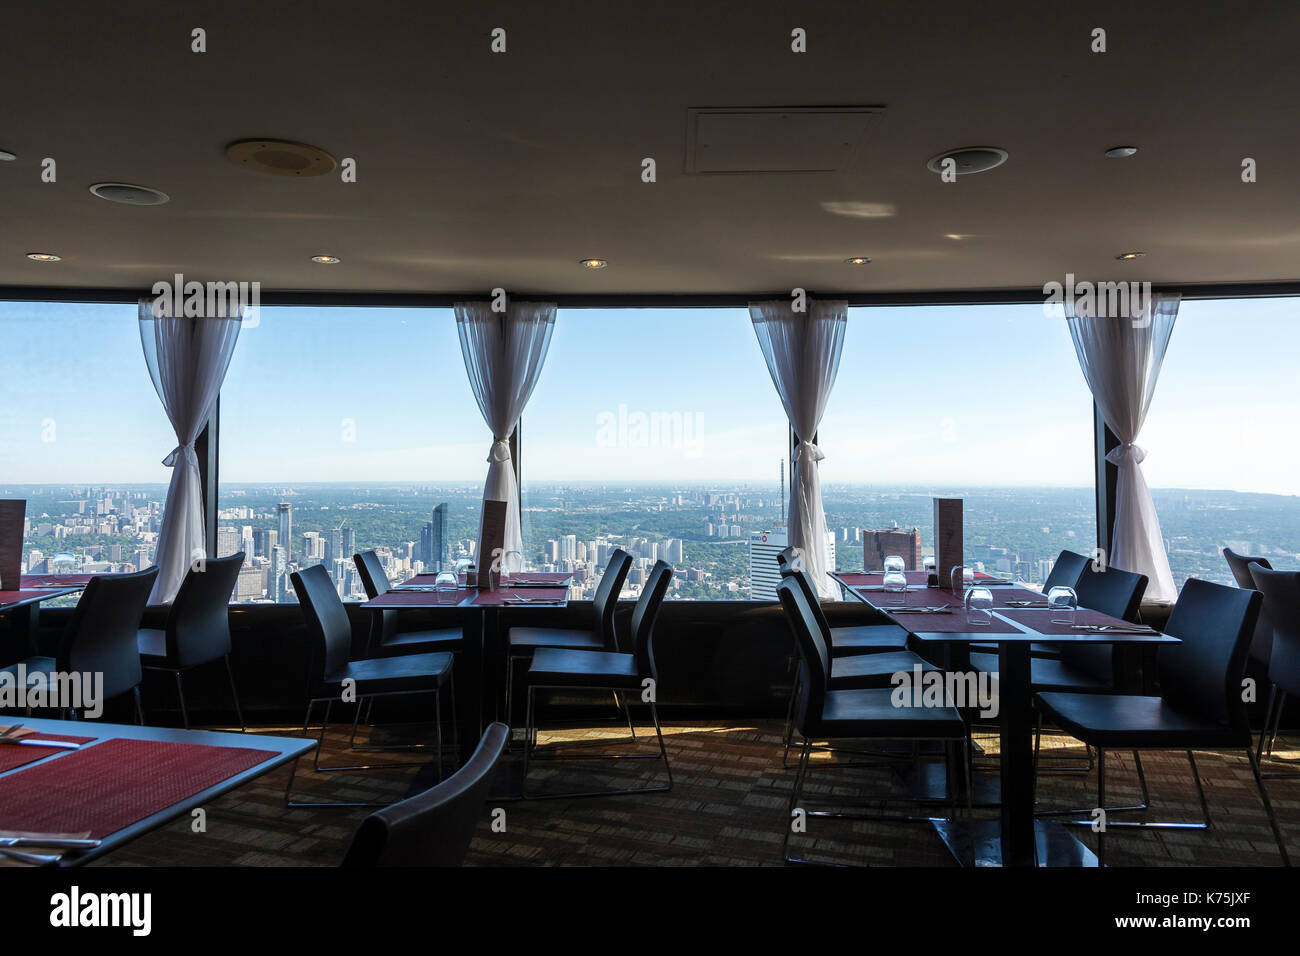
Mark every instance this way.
x=727 y=808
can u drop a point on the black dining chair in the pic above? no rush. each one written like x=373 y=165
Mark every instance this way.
x=848 y=672
x=881 y=635
x=1200 y=706
x=825 y=713
x=1066 y=571
x=197 y=630
x=387 y=633
x=524 y=642
x=1261 y=645
x=1281 y=591
x=100 y=638
x=635 y=672
x=334 y=673
x=433 y=828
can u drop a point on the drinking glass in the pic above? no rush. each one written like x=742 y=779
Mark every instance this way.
x=957 y=579
x=446 y=580
x=894 y=562
x=979 y=607
x=895 y=582
x=1063 y=602
x=512 y=562
x=462 y=566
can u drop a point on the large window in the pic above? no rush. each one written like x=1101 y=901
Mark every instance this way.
x=1222 y=461
x=343 y=430
x=657 y=431
x=82 y=436
x=984 y=403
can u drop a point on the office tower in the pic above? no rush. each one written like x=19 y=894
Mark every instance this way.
x=764 y=575
x=141 y=560
x=568 y=547
x=277 y=574
x=426 y=545
x=349 y=545
x=285 y=511
x=438 y=539
x=313 y=546
x=250 y=585
x=246 y=541
x=227 y=541
x=333 y=547
x=878 y=545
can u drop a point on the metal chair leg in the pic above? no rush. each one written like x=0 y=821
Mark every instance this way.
x=180 y=693
x=1101 y=802
x=1268 y=808
x=139 y=706
x=234 y=694
x=320 y=743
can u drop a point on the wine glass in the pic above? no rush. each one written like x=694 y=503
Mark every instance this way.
x=979 y=607
x=1063 y=602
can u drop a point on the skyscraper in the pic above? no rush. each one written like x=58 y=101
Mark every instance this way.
x=878 y=545
x=764 y=575
x=438 y=539
x=285 y=511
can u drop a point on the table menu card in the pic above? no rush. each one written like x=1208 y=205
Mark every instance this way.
x=491 y=543
x=12 y=511
x=948 y=552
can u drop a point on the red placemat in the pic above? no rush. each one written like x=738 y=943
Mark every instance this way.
x=1040 y=619
x=19 y=755
x=955 y=622
x=108 y=786
x=394 y=599
x=500 y=597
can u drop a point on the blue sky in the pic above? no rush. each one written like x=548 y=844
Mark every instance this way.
x=979 y=395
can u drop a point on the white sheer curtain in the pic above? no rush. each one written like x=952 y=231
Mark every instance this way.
x=504 y=353
x=802 y=350
x=1121 y=359
x=187 y=358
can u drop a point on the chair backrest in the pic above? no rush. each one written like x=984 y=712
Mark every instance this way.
x=814 y=652
x=810 y=595
x=1066 y=571
x=103 y=634
x=1112 y=591
x=605 y=602
x=1281 y=590
x=371 y=570
x=644 y=616
x=1239 y=564
x=785 y=560
x=198 y=625
x=1203 y=674
x=327 y=619
x=433 y=828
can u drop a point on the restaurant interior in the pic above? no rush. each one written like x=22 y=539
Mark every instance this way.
x=655 y=435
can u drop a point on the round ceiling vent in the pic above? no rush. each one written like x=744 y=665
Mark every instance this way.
x=971 y=159
x=129 y=195
x=280 y=157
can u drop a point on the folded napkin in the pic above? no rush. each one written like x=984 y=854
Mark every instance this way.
x=14 y=733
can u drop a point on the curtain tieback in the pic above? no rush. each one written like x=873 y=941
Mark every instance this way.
x=175 y=454
x=1126 y=452
x=807 y=451
x=500 y=450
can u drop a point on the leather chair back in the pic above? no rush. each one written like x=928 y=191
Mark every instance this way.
x=1203 y=674
x=103 y=634
x=327 y=621
x=1281 y=590
x=644 y=616
x=1066 y=571
x=1114 y=592
x=371 y=570
x=1261 y=645
x=433 y=828
x=605 y=602
x=814 y=651
x=198 y=625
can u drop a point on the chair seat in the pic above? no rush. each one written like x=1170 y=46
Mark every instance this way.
x=386 y=675
x=34 y=665
x=526 y=638
x=867 y=638
x=439 y=637
x=1129 y=721
x=1046 y=672
x=152 y=643
x=874 y=670
x=871 y=713
x=554 y=666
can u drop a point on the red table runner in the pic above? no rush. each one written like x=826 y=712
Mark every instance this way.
x=1040 y=619
x=19 y=755
x=109 y=786
x=425 y=599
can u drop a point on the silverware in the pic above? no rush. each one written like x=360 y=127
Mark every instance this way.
x=63 y=843
x=36 y=742
x=939 y=609
x=36 y=859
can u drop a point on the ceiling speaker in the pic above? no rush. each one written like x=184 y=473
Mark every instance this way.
x=972 y=159
x=129 y=195
x=280 y=157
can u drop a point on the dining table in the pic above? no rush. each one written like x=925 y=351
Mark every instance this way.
x=936 y=619
x=74 y=790
x=482 y=655
x=18 y=609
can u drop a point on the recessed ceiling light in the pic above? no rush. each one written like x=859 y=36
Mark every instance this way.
x=6 y=156
x=44 y=257
x=857 y=261
x=593 y=263
x=327 y=260
x=129 y=195
x=281 y=157
x=1121 y=152
x=969 y=160
x=1126 y=256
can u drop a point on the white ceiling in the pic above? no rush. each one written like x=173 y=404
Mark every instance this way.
x=478 y=170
